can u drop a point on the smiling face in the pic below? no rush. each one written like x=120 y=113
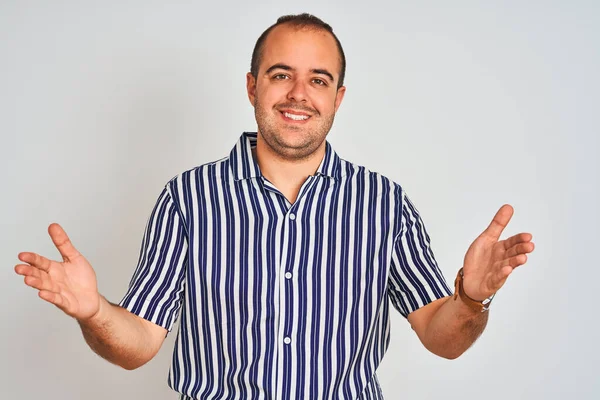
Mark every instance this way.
x=295 y=94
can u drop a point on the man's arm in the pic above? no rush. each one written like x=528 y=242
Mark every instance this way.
x=448 y=326
x=122 y=337
x=111 y=331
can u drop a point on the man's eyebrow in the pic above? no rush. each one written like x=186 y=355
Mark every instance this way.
x=323 y=72
x=286 y=67
x=279 y=66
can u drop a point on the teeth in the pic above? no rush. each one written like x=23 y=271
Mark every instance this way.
x=296 y=117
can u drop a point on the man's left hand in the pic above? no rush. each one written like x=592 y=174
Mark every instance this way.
x=489 y=261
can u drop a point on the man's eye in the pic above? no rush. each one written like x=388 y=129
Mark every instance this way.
x=319 y=82
x=280 y=76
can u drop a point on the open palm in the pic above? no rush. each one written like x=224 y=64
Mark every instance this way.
x=489 y=261
x=70 y=285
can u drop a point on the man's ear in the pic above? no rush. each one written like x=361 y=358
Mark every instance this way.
x=251 y=87
x=339 y=96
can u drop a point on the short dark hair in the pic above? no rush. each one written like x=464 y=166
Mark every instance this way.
x=299 y=21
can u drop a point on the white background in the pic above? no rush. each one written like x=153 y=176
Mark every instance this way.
x=466 y=104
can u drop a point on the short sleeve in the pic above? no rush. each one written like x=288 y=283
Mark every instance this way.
x=415 y=279
x=156 y=289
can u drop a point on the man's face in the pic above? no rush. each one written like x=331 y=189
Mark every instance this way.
x=295 y=95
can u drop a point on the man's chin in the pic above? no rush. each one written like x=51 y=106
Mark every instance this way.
x=293 y=146
x=291 y=143
x=296 y=149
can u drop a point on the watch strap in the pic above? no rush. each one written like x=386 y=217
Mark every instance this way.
x=459 y=291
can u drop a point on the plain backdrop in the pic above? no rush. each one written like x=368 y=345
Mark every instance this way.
x=467 y=104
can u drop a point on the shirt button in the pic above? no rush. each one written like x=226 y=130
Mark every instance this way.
x=287 y=340
x=292 y=216
x=288 y=275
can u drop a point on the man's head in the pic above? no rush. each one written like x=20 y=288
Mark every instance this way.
x=298 y=21
x=295 y=84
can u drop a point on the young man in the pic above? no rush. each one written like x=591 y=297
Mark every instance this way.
x=282 y=257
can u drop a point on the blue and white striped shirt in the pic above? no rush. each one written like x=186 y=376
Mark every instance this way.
x=280 y=300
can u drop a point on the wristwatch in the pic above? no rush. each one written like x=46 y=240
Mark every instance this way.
x=479 y=306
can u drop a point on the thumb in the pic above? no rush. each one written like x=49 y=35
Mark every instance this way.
x=62 y=242
x=501 y=219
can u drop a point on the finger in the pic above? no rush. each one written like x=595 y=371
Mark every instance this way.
x=516 y=239
x=27 y=270
x=501 y=219
x=62 y=242
x=502 y=275
x=516 y=261
x=38 y=283
x=54 y=298
x=521 y=248
x=35 y=260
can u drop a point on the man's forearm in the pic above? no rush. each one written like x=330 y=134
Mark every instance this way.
x=454 y=327
x=119 y=336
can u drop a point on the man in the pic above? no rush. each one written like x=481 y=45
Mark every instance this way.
x=282 y=257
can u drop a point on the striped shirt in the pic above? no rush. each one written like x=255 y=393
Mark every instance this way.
x=280 y=300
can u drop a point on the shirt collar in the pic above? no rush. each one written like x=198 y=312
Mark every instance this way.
x=243 y=165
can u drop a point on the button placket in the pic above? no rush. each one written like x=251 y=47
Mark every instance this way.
x=287 y=281
x=287 y=289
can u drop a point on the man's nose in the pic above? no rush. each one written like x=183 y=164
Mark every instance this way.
x=297 y=91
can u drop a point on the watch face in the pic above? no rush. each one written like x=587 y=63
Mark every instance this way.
x=489 y=299
x=486 y=303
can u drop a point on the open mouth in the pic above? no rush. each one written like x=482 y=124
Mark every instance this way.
x=294 y=117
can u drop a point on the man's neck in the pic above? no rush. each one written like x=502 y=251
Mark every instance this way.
x=286 y=175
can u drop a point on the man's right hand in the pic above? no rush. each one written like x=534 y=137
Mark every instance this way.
x=113 y=332
x=70 y=285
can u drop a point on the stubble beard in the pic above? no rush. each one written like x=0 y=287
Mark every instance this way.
x=311 y=139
